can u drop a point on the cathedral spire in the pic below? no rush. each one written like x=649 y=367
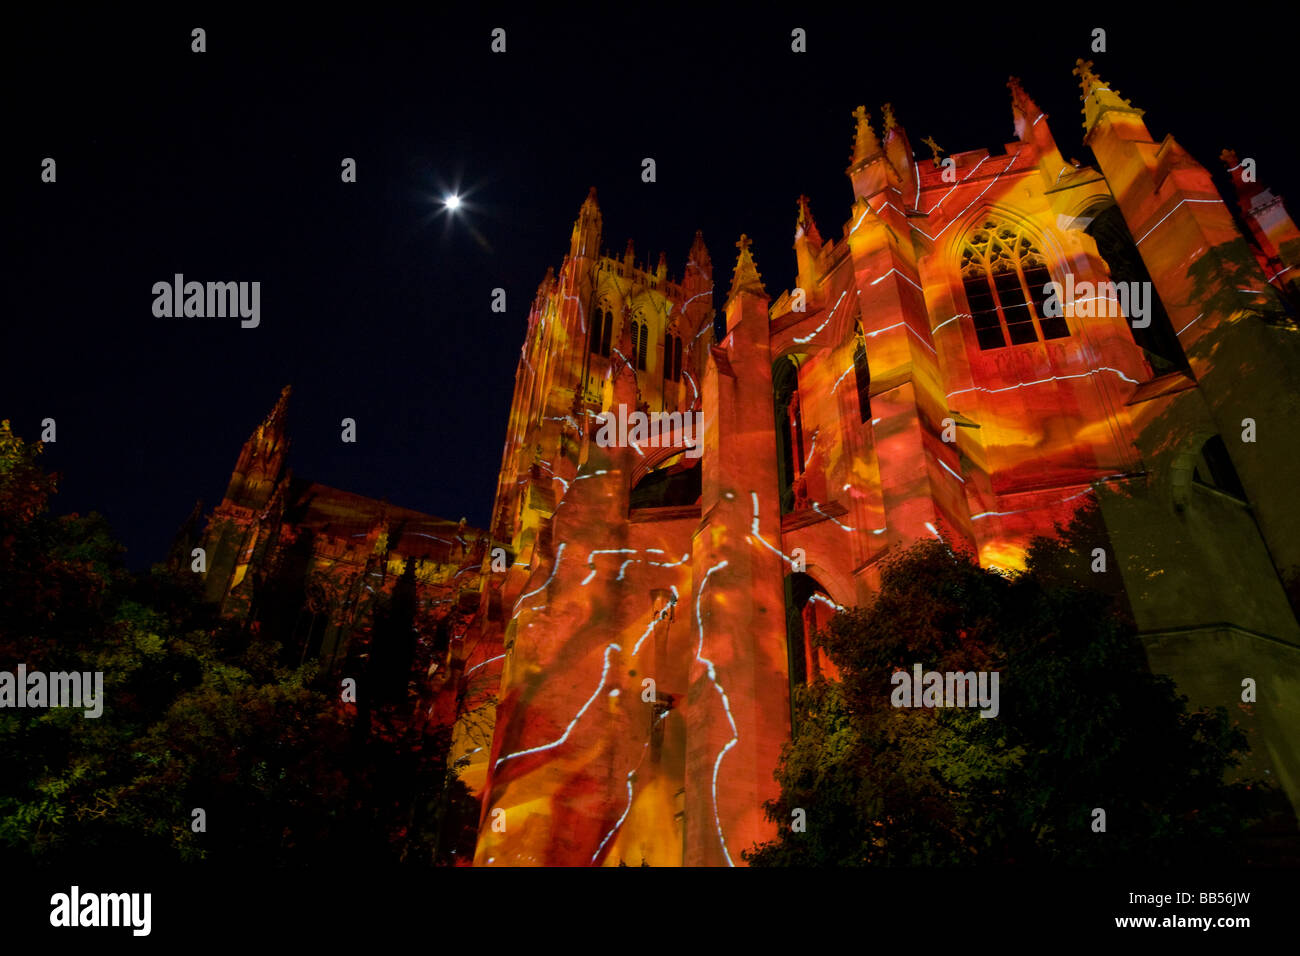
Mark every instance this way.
x=866 y=171
x=697 y=282
x=807 y=247
x=1025 y=112
x=745 y=277
x=261 y=460
x=888 y=113
x=269 y=437
x=898 y=150
x=544 y=287
x=865 y=144
x=698 y=257
x=275 y=420
x=586 y=230
x=1031 y=128
x=806 y=226
x=1098 y=98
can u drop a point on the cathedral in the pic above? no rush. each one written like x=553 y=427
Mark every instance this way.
x=990 y=343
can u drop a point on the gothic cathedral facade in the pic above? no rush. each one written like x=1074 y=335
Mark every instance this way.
x=634 y=621
x=913 y=382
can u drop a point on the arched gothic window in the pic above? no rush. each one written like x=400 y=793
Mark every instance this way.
x=672 y=358
x=1005 y=275
x=641 y=347
x=789 y=435
x=808 y=611
x=602 y=331
x=862 y=373
x=636 y=343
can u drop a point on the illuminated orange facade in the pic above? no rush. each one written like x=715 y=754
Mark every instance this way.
x=621 y=650
x=914 y=381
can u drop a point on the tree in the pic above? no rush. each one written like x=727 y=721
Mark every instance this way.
x=201 y=713
x=1082 y=725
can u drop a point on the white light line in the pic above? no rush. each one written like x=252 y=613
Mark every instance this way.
x=1041 y=381
x=957 y=218
x=945 y=467
x=559 y=553
x=905 y=278
x=1170 y=213
x=817 y=508
x=726 y=706
x=753 y=531
x=667 y=608
x=989 y=514
x=822 y=598
x=483 y=664
x=944 y=197
x=813 y=334
x=1188 y=325
x=578 y=716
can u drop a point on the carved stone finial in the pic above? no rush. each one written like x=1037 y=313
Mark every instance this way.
x=887 y=111
x=934 y=147
x=1083 y=70
x=865 y=144
x=1098 y=98
x=746 y=277
x=806 y=225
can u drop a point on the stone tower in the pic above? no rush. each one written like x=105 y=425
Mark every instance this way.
x=992 y=341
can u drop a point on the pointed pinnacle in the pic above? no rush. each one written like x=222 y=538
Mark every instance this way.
x=805 y=225
x=934 y=148
x=698 y=255
x=1020 y=99
x=888 y=113
x=281 y=405
x=1087 y=78
x=745 y=277
x=865 y=143
x=1098 y=98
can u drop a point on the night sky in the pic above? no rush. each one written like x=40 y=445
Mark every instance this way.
x=225 y=166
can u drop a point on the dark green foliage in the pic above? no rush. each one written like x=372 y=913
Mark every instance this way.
x=199 y=713
x=1083 y=724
